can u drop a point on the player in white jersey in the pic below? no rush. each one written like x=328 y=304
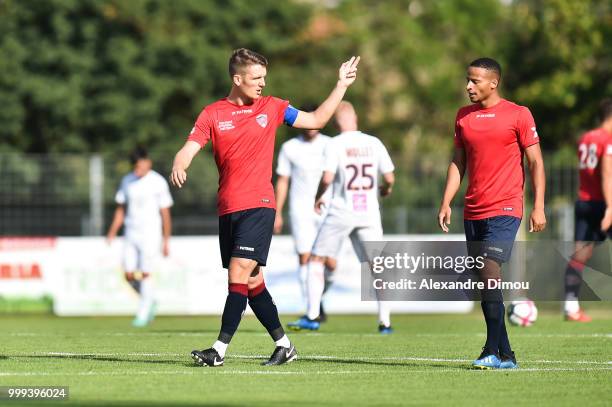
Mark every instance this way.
x=300 y=162
x=143 y=205
x=353 y=162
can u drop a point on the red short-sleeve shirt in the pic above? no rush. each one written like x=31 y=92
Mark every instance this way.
x=494 y=140
x=243 y=147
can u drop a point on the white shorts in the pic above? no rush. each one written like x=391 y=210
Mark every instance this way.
x=304 y=230
x=140 y=255
x=335 y=228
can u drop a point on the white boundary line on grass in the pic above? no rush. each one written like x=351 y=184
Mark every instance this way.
x=309 y=334
x=201 y=371
x=306 y=357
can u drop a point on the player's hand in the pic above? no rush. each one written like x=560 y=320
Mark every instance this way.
x=178 y=177
x=537 y=220
x=444 y=217
x=318 y=207
x=278 y=223
x=385 y=190
x=606 y=222
x=348 y=72
x=166 y=248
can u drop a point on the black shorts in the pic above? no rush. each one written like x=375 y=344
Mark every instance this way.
x=588 y=216
x=246 y=234
x=491 y=237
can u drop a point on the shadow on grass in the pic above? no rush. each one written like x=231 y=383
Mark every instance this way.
x=107 y=359
x=407 y=363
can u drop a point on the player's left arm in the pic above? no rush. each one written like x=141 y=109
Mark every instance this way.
x=606 y=187
x=166 y=230
x=387 y=186
x=537 y=220
x=319 y=118
x=326 y=179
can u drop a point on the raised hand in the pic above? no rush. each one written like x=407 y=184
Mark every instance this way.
x=348 y=71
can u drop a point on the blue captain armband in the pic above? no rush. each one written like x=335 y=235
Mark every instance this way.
x=291 y=114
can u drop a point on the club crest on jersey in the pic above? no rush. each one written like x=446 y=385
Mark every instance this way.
x=262 y=120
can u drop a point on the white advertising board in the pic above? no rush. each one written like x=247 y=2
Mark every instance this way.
x=84 y=277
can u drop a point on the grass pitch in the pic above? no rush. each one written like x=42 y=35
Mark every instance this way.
x=425 y=362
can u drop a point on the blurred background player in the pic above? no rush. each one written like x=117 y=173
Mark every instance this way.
x=491 y=136
x=353 y=162
x=242 y=127
x=593 y=210
x=300 y=162
x=146 y=196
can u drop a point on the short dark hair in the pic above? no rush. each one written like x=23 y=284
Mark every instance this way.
x=489 y=64
x=139 y=153
x=243 y=57
x=605 y=109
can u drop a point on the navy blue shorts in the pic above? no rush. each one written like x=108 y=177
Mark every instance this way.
x=588 y=216
x=246 y=234
x=491 y=237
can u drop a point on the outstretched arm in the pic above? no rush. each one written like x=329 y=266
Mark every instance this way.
x=182 y=160
x=454 y=175
x=537 y=220
x=319 y=118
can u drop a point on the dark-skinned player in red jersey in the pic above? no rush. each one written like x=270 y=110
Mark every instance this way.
x=491 y=137
x=242 y=128
x=593 y=210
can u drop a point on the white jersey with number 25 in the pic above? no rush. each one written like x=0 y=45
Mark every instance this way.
x=357 y=160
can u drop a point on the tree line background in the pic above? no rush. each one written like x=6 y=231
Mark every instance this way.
x=85 y=76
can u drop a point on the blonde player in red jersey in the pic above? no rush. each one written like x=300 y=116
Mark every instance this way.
x=242 y=128
x=593 y=210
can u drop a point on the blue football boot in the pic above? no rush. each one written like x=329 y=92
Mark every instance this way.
x=486 y=360
x=304 y=323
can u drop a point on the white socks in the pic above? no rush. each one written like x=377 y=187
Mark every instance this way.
x=384 y=313
x=146 y=299
x=571 y=304
x=316 y=284
x=303 y=276
x=284 y=342
x=220 y=347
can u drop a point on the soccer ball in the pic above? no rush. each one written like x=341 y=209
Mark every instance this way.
x=522 y=312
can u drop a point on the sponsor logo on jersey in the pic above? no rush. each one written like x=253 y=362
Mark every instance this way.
x=226 y=125
x=243 y=111
x=246 y=248
x=262 y=120
x=485 y=115
x=508 y=209
x=192 y=130
x=265 y=200
x=535 y=133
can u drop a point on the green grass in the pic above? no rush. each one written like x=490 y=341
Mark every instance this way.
x=426 y=362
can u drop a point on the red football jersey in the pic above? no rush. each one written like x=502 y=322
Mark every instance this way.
x=243 y=147
x=494 y=140
x=593 y=145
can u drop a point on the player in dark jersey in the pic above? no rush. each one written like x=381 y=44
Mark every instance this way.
x=491 y=137
x=242 y=128
x=593 y=210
